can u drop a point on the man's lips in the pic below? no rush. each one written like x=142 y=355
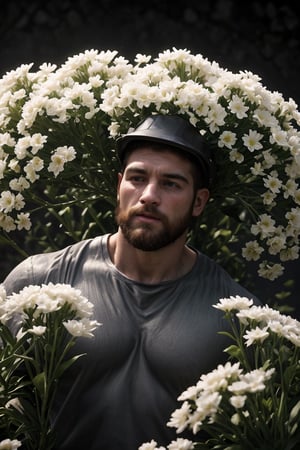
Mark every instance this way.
x=147 y=217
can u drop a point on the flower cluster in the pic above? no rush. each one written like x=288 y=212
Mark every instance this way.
x=257 y=147
x=254 y=400
x=62 y=123
x=48 y=120
x=38 y=328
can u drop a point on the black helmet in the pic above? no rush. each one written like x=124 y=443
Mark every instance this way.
x=176 y=132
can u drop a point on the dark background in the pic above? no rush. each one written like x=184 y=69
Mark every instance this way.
x=259 y=36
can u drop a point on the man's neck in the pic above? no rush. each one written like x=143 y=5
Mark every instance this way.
x=168 y=263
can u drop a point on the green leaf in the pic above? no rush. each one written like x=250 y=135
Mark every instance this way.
x=234 y=351
x=66 y=364
x=39 y=382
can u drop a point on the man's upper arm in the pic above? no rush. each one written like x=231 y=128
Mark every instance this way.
x=19 y=277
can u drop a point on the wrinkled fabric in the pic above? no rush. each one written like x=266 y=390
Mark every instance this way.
x=154 y=342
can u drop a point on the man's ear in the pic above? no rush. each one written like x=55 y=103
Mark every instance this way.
x=201 y=198
x=120 y=176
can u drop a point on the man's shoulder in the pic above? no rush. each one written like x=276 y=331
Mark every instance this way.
x=217 y=279
x=72 y=251
x=42 y=267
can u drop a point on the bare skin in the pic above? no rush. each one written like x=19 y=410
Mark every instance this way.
x=158 y=187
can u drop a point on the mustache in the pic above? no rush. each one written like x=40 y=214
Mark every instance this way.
x=150 y=210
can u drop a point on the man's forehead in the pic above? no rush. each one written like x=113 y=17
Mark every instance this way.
x=146 y=153
x=161 y=164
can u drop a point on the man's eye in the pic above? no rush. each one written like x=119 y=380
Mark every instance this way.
x=171 y=184
x=137 y=179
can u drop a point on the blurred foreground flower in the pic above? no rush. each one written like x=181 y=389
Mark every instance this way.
x=253 y=401
x=48 y=319
x=9 y=444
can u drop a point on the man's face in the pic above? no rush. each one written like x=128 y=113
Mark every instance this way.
x=157 y=198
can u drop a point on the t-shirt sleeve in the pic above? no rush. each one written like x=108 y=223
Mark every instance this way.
x=31 y=271
x=19 y=277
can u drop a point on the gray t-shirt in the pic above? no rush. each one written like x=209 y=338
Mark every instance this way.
x=155 y=341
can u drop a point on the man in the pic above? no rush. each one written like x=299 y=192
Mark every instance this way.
x=152 y=292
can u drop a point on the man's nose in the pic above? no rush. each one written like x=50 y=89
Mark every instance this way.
x=150 y=194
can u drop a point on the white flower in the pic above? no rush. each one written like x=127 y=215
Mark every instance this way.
x=23 y=221
x=22 y=146
x=235 y=419
x=36 y=163
x=296 y=196
x=7 y=223
x=238 y=401
x=37 y=142
x=30 y=111
x=251 y=382
x=268 y=198
x=215 y=117
x=19 y=184
x=269 y=159
x=278 y=136
x=236 y=156
x=295 y=411
x=252 y=251
x=59 y=158
x=57 y=164
x=290 y=253
x=37 y=330
x=276 y=244
x=142 y=59
x=217 y=380
x=206 y=406
x=181 y=444
x=293 y=217
x=8 y=444
x=83 y=327
x=180 y=417
x=273 y=183
x=257 y=169
x=227 y=139
x=14 y=165
x=252 y=140
x=290 y=188
x=15 y=403
x=19 y=202
x=265 y=117
x=31 y=174
x=238 y=107
x=2 y=168
x=7 y=139
x=7 y=201
x=259 y=314
x=2 y=304
x=46 y=304
x=271 y=272
x=2 y=293
x=277 y=327
x=49 y=298
x=265 y=226
x=190 y=393
x=256 y=335
x=233 y=303
x=150 y=446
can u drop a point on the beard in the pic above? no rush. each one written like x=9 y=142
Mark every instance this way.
x=145 y=236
